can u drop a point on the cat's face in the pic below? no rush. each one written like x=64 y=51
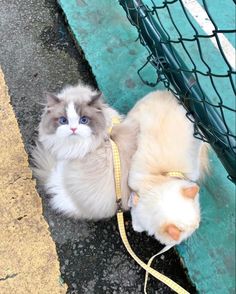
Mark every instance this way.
x=72 y=125
x=170 y=212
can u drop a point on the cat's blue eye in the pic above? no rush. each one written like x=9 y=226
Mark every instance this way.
x=84 y=120
x=63 y=120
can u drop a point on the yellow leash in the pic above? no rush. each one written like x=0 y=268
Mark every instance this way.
x=120 y=219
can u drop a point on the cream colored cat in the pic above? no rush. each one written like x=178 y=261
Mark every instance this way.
x=165 y=205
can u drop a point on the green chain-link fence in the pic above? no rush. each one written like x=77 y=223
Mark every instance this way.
x=184 y=63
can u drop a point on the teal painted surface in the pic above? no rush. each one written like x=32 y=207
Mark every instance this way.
x=109 y=42
x=210 y=253
x=224 y=16
x=102 y=31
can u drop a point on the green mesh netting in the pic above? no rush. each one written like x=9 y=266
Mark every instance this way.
x=197 y=70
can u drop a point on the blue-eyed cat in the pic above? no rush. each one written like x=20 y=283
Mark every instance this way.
x=73 y=156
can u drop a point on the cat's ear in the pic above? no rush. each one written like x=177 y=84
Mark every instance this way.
x=191 y=191
x=173 y=231
x=96 y=98
x=52 y=99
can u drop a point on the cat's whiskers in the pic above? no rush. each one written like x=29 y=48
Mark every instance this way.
x=191 y=242
x=194 y=239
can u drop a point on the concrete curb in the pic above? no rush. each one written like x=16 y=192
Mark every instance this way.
x=28 y=262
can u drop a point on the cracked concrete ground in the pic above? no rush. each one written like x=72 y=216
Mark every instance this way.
x=38 y=54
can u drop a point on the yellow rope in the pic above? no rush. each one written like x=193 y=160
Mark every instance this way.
x=175 y=174
x=174 y=286
x=166 y=248
x=146 y=274
x=120 y=219
x=117 y=170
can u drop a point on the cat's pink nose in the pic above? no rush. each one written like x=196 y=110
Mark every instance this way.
x=73 y=129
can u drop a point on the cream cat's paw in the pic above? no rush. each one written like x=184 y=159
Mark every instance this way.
x=137 y=227
x=135 y=222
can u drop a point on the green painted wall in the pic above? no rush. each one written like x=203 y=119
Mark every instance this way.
x=109 y=43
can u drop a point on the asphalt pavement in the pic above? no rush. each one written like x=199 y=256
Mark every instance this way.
x=37 y=54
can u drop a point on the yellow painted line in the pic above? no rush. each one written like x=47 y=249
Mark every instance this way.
x=28 y=259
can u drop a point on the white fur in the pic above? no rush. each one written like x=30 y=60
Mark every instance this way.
x=55 y=186
x=68 y=147
x=166 y=205
x=82 y=130
x=79 y=93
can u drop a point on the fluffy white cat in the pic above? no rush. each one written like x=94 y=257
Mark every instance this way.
x=164 y=204
x=73 y=156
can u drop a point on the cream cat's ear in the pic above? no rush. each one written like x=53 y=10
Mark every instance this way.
x=191 y=191
x=52 y=99
x=173 y=231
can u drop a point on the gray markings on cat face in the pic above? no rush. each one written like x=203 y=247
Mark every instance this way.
x=94 y=111
x=57 y=108
x=51 y=115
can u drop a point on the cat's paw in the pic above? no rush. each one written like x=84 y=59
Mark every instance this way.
x=136 y=227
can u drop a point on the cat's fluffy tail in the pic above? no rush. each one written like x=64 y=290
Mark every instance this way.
x=204 y=160
x=43 y=163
